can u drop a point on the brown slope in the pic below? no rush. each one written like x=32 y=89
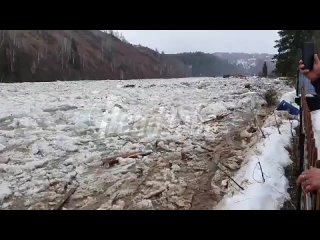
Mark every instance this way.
x=49 y=55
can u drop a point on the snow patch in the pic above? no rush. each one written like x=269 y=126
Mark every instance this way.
x=273 y=157
x=5 y=191
x=27 y=122
x=2 y=147
x=213 y=110
x=66 y=143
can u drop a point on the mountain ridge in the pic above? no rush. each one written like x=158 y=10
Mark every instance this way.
x=50 y=55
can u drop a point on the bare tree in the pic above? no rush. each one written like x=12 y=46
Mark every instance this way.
x=133 y=67
x=65 y=44
x=33 y=67
x=14 y=38
x=122 y=38
x=12 y=59
x=61 y=53
x=2 y=37
x=116 y=34
x=38 y=57
x=102 y=45
x=121 y=74
x=112 y=66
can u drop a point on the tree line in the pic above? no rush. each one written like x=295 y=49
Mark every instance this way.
x=289 y=50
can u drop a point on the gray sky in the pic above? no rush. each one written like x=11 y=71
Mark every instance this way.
x=175 y=41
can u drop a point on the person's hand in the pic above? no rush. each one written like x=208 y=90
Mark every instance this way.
x=315 y=73
x=310 y=180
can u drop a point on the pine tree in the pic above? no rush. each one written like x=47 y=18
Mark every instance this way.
x=265 y=70
x=289 y=50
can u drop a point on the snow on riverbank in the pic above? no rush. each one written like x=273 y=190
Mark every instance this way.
x=267 y=191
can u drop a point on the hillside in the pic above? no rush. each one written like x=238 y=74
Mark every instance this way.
x=250 y=63
x=49 y=55
x=204 y=64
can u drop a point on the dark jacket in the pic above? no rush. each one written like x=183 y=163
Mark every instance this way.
x=316 y=86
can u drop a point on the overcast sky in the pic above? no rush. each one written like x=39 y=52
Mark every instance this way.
x=210 y=41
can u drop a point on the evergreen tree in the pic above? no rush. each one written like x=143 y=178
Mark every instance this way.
x=265 y=70
x=289 y=50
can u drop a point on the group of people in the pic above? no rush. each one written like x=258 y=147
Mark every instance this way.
x=310 y=178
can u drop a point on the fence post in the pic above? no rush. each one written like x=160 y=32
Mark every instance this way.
x=308 y=153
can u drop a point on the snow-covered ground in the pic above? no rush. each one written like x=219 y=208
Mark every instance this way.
x=53 y=136
x=262 y=174
x=246 y=63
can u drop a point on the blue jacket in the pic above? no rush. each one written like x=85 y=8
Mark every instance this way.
x=310 y=88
